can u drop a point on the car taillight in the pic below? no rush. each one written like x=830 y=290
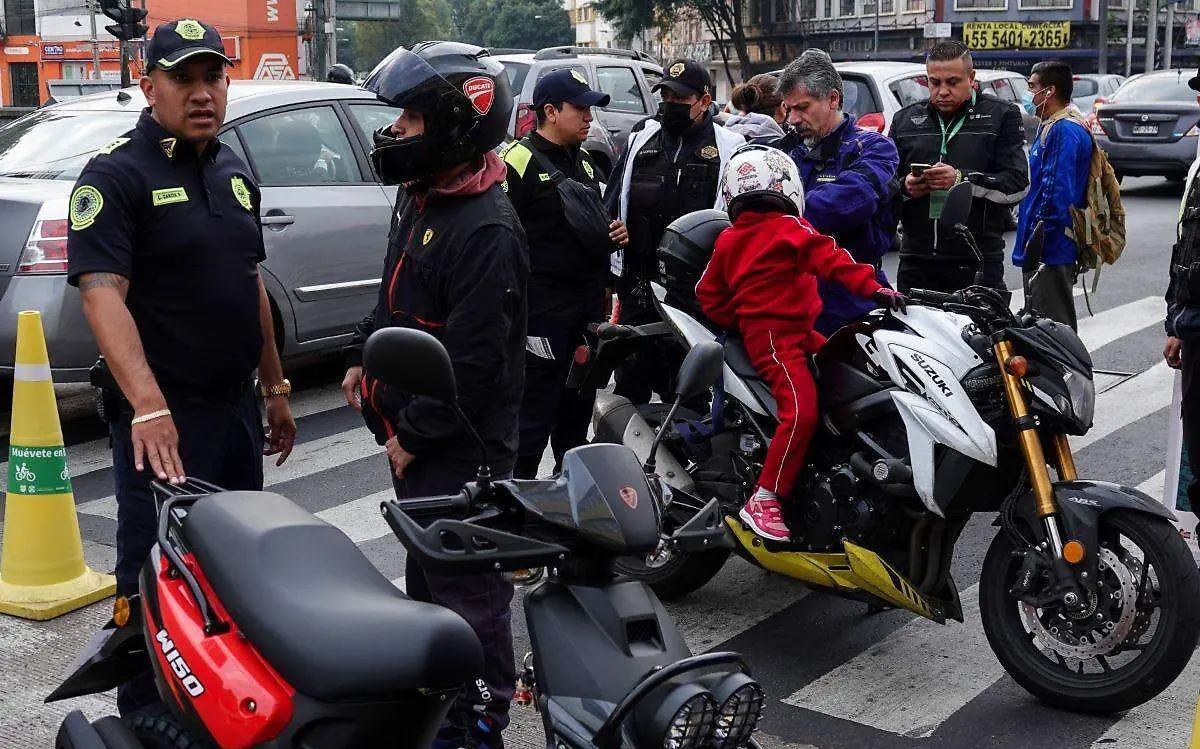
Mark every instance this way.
x=526 y=120
x=1095 y=123
x=45 y=250
x=873 y=121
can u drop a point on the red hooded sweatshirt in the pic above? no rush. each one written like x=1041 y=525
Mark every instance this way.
x=762 y=279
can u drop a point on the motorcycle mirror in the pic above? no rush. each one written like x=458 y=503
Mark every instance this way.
x=412 y=361
x=700 y=369
x=956 y=209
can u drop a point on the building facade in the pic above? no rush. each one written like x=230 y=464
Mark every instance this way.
x=48 y=42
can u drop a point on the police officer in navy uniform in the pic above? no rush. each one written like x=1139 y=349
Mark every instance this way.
x=457 y=267
x=569 y=263
x=164 y=245
x=671 y=167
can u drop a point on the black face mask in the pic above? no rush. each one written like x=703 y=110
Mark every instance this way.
x=675 y=117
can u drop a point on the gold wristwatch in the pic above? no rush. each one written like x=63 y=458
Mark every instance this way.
x=271 y=391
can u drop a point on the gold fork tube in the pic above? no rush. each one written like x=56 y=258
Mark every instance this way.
x=1064 y=460
x=1031 y=444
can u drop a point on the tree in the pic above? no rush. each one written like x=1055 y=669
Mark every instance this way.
x=530 y=24
x=424 y=20
x=722 y=18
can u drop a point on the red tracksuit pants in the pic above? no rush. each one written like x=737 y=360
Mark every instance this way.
x=782 y=362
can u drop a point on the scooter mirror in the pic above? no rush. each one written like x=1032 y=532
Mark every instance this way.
x=700 y=369
x=956 y=209
x=412 y=361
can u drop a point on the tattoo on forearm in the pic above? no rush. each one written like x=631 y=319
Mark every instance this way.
x=102 y=280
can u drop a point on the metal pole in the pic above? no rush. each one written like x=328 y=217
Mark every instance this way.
x=1103 y=37
x=876 y=48
x=1129 y=38
x=1169 y=41
x=95 y=42
x=1151 y=34
x=321 y=68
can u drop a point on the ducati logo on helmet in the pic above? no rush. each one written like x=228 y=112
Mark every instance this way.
x=481 y=90
x=629 y=496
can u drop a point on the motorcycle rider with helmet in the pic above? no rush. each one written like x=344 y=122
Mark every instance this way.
x=456 y=268
x=762 y=279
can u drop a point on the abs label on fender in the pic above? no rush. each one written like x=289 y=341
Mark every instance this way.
x=178 y=665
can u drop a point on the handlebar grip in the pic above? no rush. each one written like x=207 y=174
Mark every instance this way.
x=427 y=508
x=936 y=297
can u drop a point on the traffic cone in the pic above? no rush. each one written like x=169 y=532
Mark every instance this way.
x=42 y=572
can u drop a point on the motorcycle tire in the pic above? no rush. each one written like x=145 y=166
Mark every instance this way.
x=157 y=728
x=682 y=574
x=1163 y=658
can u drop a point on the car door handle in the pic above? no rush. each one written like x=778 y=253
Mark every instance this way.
x=277 y=218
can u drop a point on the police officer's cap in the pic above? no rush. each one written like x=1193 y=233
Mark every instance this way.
x=686 y=78
x=567 y=85
x=176 y=41
x=1194 y=81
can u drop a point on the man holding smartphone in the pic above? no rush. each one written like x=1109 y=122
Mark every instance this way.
x=959 y=135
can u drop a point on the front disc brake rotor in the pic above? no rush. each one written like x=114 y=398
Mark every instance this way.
x=1103 y=636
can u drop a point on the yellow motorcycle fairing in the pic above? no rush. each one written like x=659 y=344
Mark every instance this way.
x=859 y=570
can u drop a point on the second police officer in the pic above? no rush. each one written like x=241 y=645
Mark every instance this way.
x=555 y=187
x=672 y=166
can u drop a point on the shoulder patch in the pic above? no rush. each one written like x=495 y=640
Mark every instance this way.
x=86 y=204
x=112 y=145
x=517 y=155
x=241 y=192
x=587 y=168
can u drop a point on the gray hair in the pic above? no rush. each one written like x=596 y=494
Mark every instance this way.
x=814 y=72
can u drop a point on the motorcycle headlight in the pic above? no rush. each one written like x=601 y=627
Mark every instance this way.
x=741 y=700
x=1083 y=396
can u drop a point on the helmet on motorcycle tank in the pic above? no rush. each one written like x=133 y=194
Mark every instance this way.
x=463 y=96
x=763 y=174
x=684 y=252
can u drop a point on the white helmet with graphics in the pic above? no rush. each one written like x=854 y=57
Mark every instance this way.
x=761 y=173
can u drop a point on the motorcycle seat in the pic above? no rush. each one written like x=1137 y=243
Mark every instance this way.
x=305 y=596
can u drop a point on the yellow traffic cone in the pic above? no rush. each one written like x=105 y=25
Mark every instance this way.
x=42 y=573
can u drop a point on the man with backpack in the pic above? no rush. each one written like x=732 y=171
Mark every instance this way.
x=1060 y=160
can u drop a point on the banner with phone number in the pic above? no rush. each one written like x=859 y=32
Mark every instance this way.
x=1017 y=35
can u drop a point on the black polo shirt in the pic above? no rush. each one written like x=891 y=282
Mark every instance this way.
x=184 y=229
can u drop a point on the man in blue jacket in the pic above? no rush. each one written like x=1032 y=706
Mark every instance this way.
x=847 y=174
x=1059 y=160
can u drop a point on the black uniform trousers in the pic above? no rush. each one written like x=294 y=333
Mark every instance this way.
x=946 y=274
x=653 y=367
x=220 y=441
x=484 y=601
x=1050 y=293
x=1190 y=411
x=550 y=411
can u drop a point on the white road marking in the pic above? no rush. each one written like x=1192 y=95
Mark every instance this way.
x=1132 y=400
x=1155 y=485
x=1165 y=721
x=913 y=680
x=360 y=519
x=1118 y=322
x=1018 y=296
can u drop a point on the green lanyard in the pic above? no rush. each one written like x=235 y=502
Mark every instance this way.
x=948 y=135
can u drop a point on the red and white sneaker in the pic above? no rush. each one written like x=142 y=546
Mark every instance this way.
x=764 y=514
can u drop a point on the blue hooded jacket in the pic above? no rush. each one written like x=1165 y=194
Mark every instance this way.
x=848 y=192
x=1060 y=158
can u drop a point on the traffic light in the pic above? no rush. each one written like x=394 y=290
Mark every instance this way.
x=128 y=19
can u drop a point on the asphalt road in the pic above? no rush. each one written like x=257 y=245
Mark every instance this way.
x=836 y=677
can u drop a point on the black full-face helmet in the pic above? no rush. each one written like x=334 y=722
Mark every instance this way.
x=340 y=73
x=465 y=100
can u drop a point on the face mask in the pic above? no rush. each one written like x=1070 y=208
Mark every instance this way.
x=675 y=117
x=1031 y=106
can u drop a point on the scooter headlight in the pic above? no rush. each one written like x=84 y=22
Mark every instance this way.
x=741 y=703
x=684 y=719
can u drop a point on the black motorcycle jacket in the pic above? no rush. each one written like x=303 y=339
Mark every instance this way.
x=988 y=148
x=1183 y=291
x=457 y=267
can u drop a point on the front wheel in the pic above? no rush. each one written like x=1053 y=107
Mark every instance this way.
x=674 y=574
x=1137 y=634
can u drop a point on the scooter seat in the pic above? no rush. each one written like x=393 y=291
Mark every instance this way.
x=321 y=614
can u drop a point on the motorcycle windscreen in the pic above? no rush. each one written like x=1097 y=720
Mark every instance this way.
x=607 y=500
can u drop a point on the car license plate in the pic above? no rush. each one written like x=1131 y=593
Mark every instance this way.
x=1145 y=129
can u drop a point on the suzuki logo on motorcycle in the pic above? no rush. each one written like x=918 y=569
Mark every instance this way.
x=178 y=664
x=933 y=375
x=629 y=496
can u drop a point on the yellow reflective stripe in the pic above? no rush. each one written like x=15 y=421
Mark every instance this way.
x=517 y=155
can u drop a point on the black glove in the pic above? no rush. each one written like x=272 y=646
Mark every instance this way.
x=893 y=300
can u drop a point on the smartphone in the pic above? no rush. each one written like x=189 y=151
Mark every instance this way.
x=919 y=169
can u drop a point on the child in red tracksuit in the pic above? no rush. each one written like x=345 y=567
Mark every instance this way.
x=762 y=280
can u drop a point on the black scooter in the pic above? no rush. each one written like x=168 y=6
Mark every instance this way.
x=268 y=629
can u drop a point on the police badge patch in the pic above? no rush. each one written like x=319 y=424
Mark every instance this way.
x=677 y=70
x=242 y=193
x=709 y=152
x=86 y=204
x=190 y=30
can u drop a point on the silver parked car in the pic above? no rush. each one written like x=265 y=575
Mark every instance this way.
x=325 y=216
x=1150 y=125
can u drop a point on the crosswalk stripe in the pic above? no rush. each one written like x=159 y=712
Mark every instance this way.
x=1155 y=485
x=913 y=680
x=1163 y=722
x=1134 y=399
x=360 y=519
x=1118 y=322
x=307 y=458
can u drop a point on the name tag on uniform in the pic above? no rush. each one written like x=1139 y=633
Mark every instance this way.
x=169 y=195
x=544 y=177
x=827 y=178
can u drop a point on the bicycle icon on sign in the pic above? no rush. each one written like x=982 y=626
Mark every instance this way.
x=22 y=473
